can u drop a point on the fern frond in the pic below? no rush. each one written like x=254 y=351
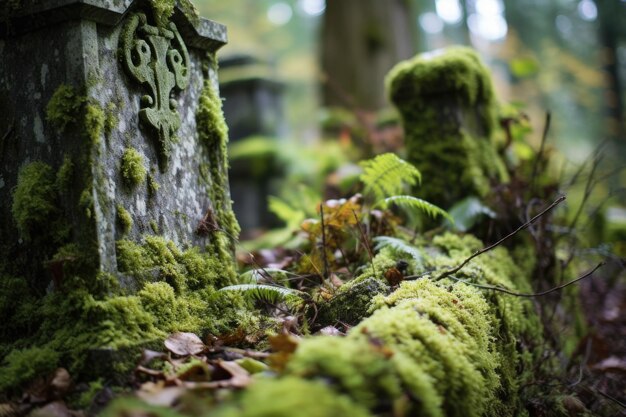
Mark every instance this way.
x=409 y=202
x=467 y=212
x=266 y=293
x=398 y=245
x=285 y=212
x=387 y=175
x=255 y=275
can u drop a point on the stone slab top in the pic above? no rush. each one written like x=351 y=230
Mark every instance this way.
x=31 y=15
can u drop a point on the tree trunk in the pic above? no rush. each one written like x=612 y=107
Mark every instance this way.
x=361 y=41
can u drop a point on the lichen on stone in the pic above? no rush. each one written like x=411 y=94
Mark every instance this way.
x=132 y=167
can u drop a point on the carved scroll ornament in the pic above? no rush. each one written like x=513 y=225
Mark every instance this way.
x=157 y=58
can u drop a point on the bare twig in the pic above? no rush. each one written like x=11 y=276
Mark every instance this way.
x=490 y=247
x=365 y=242
x=324 y=257
x=530 y=295
x=546 y=128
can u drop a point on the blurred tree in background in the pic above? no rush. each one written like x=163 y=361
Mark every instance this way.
x=566 y=56
x=361 y=40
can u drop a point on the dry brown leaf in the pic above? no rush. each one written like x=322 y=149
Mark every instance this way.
x=158 y=394
x=184 y=344
x=53 y=409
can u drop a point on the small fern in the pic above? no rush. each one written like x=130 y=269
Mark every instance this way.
x=284 y=211
x=267 y=293
x=398 y=245
x=467 y=212
x=256 y=275
x=387 y=175
x=411 y=203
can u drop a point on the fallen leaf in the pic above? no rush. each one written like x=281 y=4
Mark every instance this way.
x=184 y=344
x=158 y=394
x=283 y=342
x=611 y=364
x=53 y=409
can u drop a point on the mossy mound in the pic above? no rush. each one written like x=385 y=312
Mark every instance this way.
x=429 y=348
x=448 y=110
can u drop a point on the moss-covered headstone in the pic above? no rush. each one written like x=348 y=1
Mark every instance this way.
x=115 y=216
x=448 y=110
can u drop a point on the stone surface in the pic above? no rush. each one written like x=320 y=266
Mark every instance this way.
x=48 y=44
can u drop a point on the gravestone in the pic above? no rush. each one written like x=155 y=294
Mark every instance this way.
x=112 y=142
x=448 y=111
x=253 y=109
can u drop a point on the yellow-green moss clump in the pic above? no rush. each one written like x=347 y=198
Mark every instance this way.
x=213 y=133
x=64 y=107
x=132 y=167
x=21 y=366
x=67 y=106
x=34 y=199
x=124 y=219
x=293 y=396
x=430 y=348
x=448 y=110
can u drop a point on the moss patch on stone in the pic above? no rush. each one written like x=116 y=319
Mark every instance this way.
x=448 y=110
x=64 y=106
x=132 y=167
x=21 y=366
x=429 y=348
x=292 y=396
x=124 y=219
x=34 y=198
x=213 y=134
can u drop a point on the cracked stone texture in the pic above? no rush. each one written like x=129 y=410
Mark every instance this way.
x=75 y=42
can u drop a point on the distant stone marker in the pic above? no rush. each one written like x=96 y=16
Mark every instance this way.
x=113 y=167
x=448 y=110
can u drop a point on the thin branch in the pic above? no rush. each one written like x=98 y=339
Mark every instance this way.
x=490 y=247
x=324 y=257
x=365 y=242
x=529 y=295
x=546 y=128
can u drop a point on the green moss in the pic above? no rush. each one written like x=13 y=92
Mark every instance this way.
x=448 y=109
x=291 y=396
x=124 y=219
x=154 y=226
x=65 y=174
x=360 y=370
x=65 y=107
x=22 y=366
x=34 y=199
x=132 y=167
x=124 y=407
x=431 y=348
x=153 y=186
x=86 y=398
x=94 y=122
x=85 y=202
x=213 y=133
x=111 y=120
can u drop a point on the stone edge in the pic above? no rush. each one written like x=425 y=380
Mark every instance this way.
x=201 y=33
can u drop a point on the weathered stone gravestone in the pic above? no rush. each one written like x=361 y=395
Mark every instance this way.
x=448 y=111
x=253 y=108
x=113 y=170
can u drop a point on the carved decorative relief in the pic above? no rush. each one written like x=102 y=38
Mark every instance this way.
x=157 y=58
